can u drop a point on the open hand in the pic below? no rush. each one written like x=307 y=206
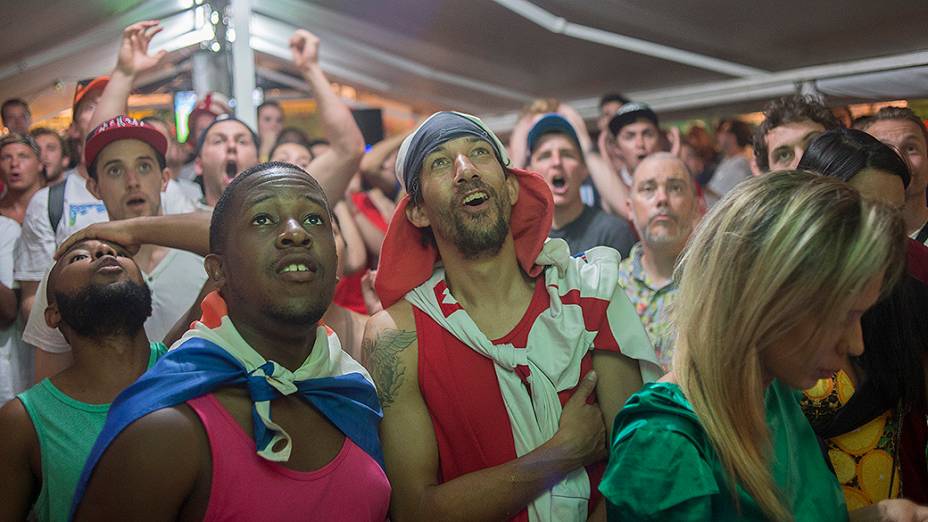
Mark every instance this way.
x=133 y=57
x=117 y=232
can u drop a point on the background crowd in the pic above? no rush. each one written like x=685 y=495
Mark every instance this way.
x=131 y=191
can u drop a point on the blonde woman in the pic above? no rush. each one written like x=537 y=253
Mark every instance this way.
x=771 y=291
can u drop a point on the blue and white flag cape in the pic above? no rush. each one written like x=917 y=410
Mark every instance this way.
x=213 y=355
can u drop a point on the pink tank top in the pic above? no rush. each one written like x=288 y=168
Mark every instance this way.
x=352 y=487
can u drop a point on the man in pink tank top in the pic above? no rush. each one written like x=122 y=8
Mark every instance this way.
x=483 y=363
x=263 y=417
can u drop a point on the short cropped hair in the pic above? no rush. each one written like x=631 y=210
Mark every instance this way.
x=223 y=208
x=892 y=113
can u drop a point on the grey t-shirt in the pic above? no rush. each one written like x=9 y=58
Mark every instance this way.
x=593 y=227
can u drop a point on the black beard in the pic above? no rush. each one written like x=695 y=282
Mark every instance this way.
x=481 y=242
x=110 y=310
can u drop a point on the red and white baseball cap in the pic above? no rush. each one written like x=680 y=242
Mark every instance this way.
x=122 y=128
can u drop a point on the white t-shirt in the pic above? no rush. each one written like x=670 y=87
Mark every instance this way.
x=175 y=284
x=15 y=356
x=36 y=249
x=38 y=242
x=175 y=200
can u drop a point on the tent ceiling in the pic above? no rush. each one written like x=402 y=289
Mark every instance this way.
x=482 y=56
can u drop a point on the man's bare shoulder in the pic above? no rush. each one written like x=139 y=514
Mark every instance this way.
x=390 y=349
x=158 y=462
x=16 y=425
x=397 y=316
x=170 y=437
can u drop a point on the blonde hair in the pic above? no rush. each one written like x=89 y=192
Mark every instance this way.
x=779 y=248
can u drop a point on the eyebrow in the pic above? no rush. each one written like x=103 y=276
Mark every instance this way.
x=470 y=140
x=264 y=196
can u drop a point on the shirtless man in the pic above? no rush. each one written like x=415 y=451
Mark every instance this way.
x=484 y=370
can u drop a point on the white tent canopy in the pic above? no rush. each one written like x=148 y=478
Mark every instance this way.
x=492 y=56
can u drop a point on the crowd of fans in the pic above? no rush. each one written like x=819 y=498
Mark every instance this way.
x=624 y=323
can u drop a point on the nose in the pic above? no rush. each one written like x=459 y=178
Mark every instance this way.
x=660 y=195
x=853 y=339
x=556 y=158
x=464 y=169
x=293 y=235
x=639 y=141
x=132 y=179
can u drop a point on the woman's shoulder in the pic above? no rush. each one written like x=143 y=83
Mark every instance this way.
x=661 y=461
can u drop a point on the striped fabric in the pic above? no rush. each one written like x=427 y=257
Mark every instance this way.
x=558 y=340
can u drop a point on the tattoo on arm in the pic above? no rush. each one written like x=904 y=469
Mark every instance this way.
x=382 y=355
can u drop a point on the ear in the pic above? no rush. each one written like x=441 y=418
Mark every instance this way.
x=197 y=166
x=628 y=207
x=165 y=178
x=213 y=265
x=416 y=215
x=52 y=316
x=512 y=185
x=94 y=188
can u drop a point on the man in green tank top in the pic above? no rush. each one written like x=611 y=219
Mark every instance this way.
x=98 y=299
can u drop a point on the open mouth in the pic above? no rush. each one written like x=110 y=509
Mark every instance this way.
x=296 y=267
x=231 y=169
x=476 y=199
x=134 y=202
x=558 y=182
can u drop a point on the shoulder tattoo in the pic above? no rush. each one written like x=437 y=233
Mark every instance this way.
x=382 y=356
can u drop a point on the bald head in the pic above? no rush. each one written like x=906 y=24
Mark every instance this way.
x=663 y=161
x=663 y=202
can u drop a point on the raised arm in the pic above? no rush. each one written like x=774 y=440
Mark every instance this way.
x=132 y=60
x=188 y=232
x=612 y=191
x=372 y=163
x=334 y=168
x=356 y=251
x=411 y=450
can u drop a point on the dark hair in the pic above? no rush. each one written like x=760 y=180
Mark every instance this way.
x=293 y=135
x=842 y=153
x=10 y=103
x=612 y=97
x=223 y=208
x=789 y=109
x=284 y=142
x=894 y=336
x=318 y=141
x=892 y=113
x=162 y=161
x=741 y=130
x=270 y=103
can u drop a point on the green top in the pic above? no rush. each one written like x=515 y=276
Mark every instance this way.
x=663 y=467
x=67 y=430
